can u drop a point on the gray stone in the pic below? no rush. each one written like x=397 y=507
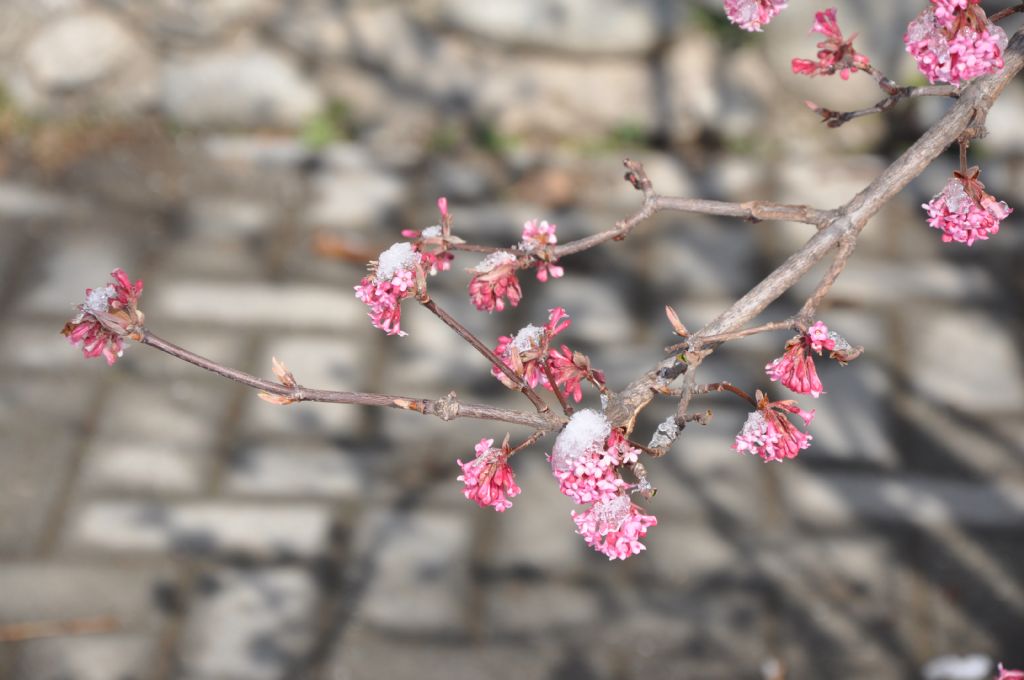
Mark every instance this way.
x=842 y=499
x=263 y=152
x=415 y=569
x=88 y=54
x=238 y=86
x=256 y=303
x=965 y=359
x=249 y=624
x=363 y=198
x=145 y=466
x=704 y=257
x=225 y=218
x=316 y=29
x=578 y=26
x=23 y=201
x=195 y=20
x=596 y=306
x=525 y=608
x=48 y=591
x=88 y=657
x=294 y=470
x=210 y=527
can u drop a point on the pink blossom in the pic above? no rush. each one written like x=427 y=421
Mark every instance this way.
x=526 y=352
x=964 y=212
x=538 y=236
x=392 y=279
x=954 y=42
x=751 y=15
x=769 y=433
x=834 y=53
x=570 y=369
x=494 y=279
x=1009 y=674
x=107 y=316
x=795 y=368
x=614 y=527
x=488 y=478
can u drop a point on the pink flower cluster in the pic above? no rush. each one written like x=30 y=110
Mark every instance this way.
x=953 y=42
x=584 y=460
x=528 y=355
x=526 y=352
x=538 y=235
x=964 y=212
x=834 y=53
x=392 y=280
x=1009 y=674
x=795 y=368
x=432 y=244
x=488 y=478
x=495 y=279
x=107 y=316
x=751 y=15
x=769 y=433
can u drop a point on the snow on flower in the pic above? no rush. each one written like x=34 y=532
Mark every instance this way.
x=488 y=478
x=795 y=368
x=494 y=279
x=769 y=433
x=751 y=15
x=964 y=212
x=537 y=236
x=585 y=461
x=392 y=279
x=834 y=53
x=107 y=316
x=526 y=352
x=953 y=42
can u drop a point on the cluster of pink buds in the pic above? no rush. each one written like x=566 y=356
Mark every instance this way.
x=769 y=433
x=393 y=277
x=751 y=15
x=585 y=461
x=834 y=53
x=108 y=316
x=432 y=242
x=494 y=279
x=526 y=353
x=953 y=42
x=795 y=368
x=488 y=478
x=538 y=236
x=964 y=212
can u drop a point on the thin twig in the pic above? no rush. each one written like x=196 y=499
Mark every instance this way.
x=566 y=408
x=529 y=441
x=446 y=409
x=788 y=324
x=722 y=387
x=1003 y=13
x=479 y=346
x=806 y=314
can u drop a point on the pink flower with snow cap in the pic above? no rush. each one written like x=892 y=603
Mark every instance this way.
x=538 y=236
x=495 y=279
x=432 y=242
x=526 y=353
x=585 y=460
x=769 y=433
x=488 y=478
x=394 y=277
x=953 y=42
x=795 y=368
x=834 y=53
x=964 y=212
x=108 y=316
x=751 y=15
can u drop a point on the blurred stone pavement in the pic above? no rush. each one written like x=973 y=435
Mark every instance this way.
x=207 y=535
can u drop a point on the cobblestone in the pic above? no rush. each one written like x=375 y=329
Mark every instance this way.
x=294 y=470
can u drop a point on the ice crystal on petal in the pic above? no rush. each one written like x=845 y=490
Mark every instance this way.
x=528 y=337
x=770 y=434
x=586 y=430
x=98 y=300
x=432 y=232
x=624 y=540
x=611 y=513
x=493 y=261
x=107 y=316
x=954 y=42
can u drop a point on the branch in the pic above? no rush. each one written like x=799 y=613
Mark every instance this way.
x=846 y=223
x=447 y=408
